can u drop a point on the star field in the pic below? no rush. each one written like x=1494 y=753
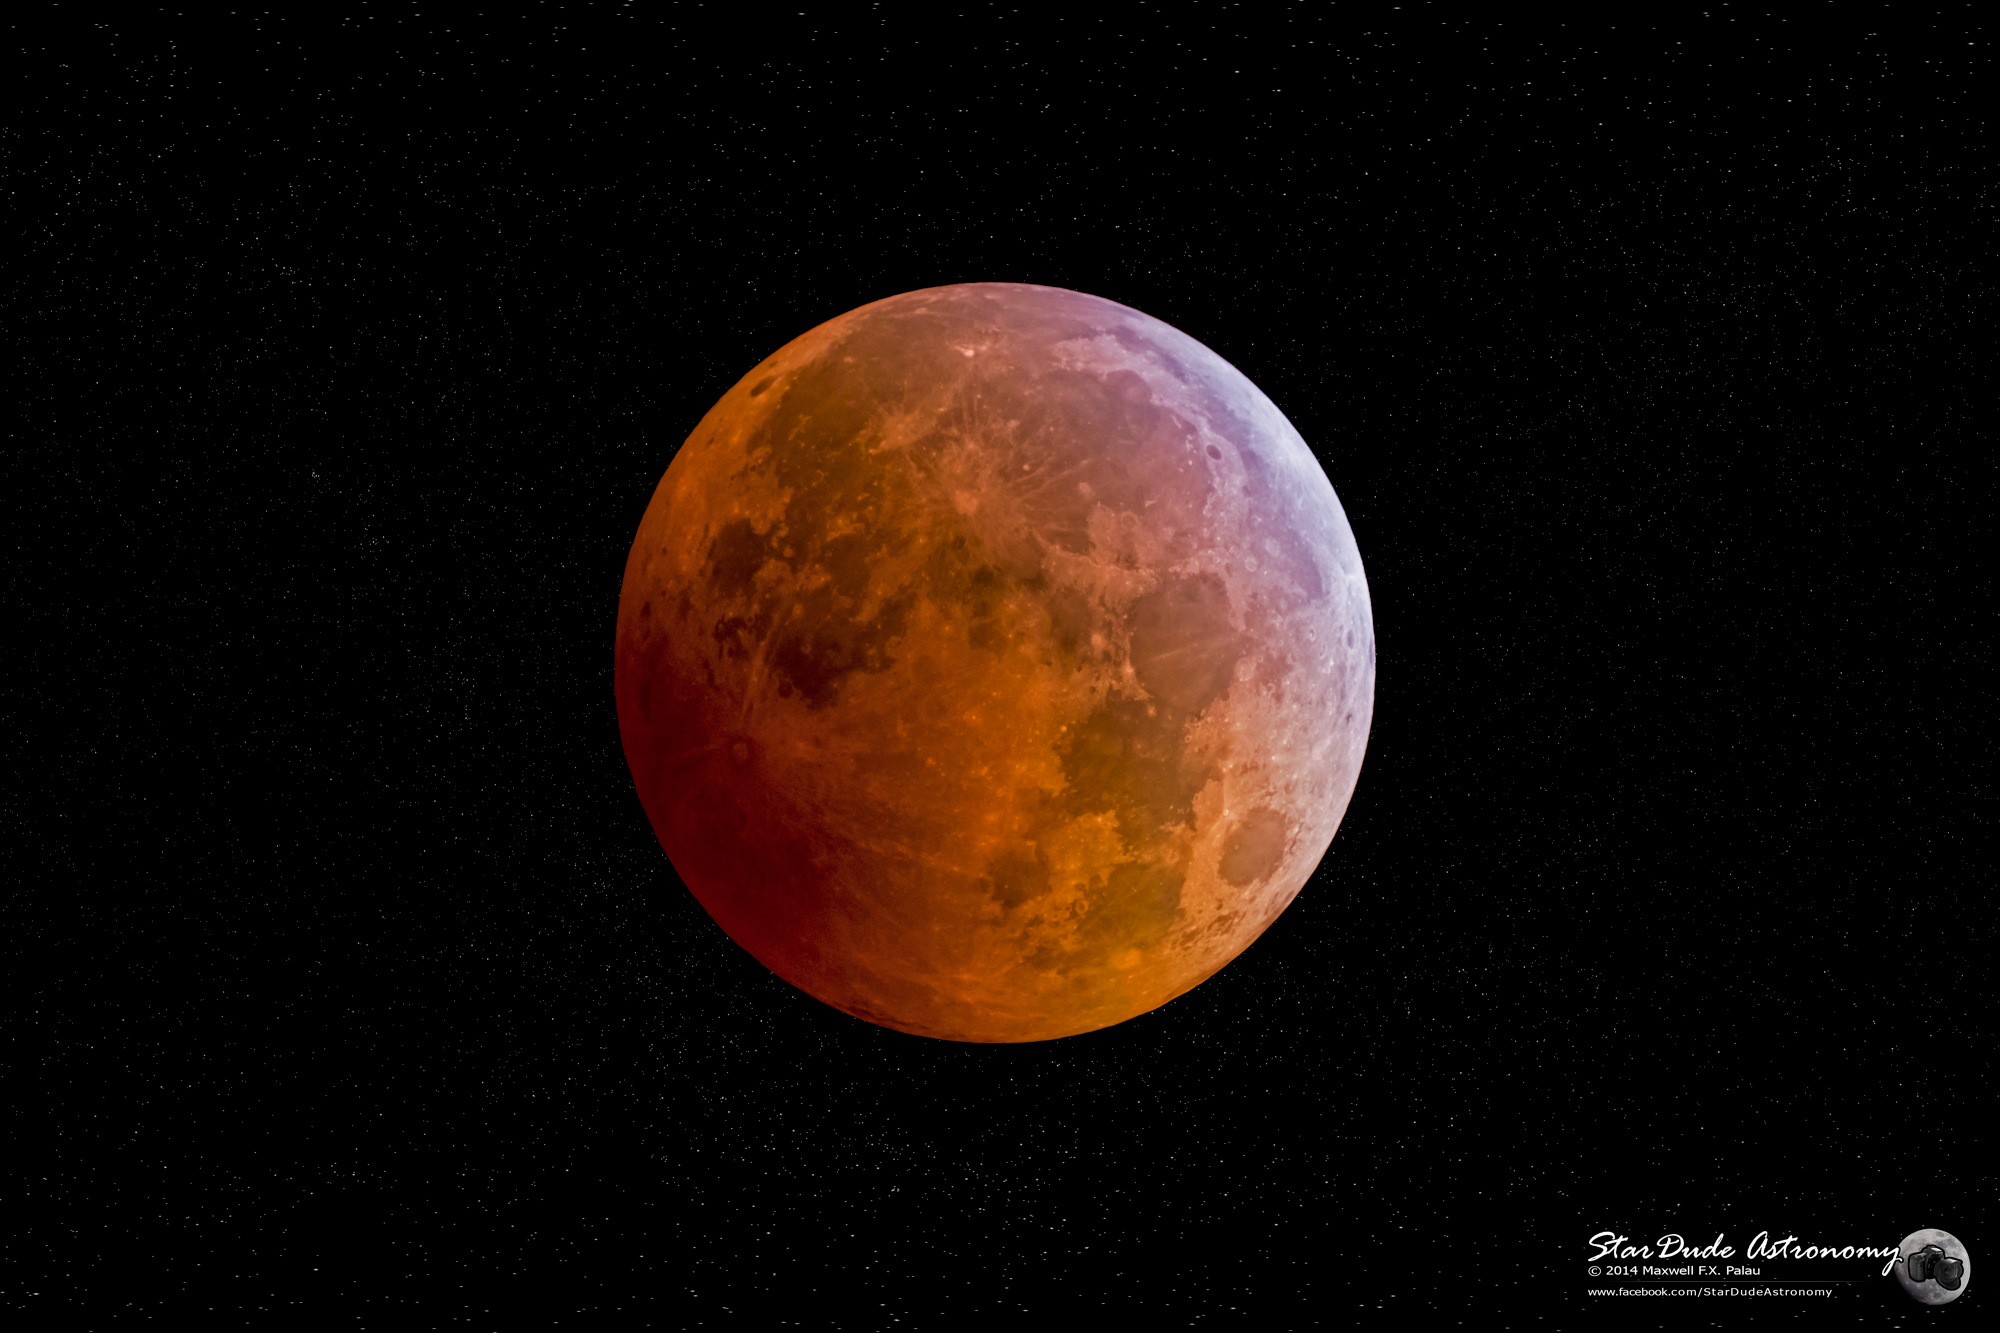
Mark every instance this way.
x=346 y=980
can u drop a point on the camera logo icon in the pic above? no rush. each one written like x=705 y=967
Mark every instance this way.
x=1932 y=1266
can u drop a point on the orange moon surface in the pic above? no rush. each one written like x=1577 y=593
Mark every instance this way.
x=994 y=662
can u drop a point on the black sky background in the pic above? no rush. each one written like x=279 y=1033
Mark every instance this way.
x=347 y=981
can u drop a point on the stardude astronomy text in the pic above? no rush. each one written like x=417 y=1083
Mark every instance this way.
x=1611 y=1245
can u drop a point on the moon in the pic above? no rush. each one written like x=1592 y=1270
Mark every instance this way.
x=1930 y=1292
x=994 y=662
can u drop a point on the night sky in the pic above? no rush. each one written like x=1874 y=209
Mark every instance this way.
x=347 y=981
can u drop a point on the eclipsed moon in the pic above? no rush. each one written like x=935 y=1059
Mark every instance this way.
x=994 y=662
